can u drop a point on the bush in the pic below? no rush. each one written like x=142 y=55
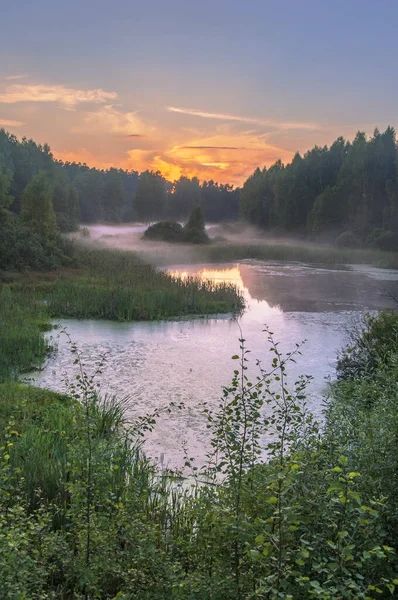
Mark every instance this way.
x=370 y=346
x=21 y=249
x=85 y=232
x=388 y=241
x=170 y=231
x=165 y=231
x=347 y=239
x=373 y=237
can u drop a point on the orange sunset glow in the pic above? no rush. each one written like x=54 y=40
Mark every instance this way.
x=102 y=129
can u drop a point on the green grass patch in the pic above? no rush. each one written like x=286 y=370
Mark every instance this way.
x=117 y=285
x=23 y=320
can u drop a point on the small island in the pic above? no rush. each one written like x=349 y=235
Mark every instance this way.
x=193 y=232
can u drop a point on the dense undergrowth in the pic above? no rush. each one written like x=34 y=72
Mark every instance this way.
x=279 y=510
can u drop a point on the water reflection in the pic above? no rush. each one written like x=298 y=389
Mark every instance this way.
x=155 y=363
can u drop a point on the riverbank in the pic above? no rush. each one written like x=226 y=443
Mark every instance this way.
x=84 y=514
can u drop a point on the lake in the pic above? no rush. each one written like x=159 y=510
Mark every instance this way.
x=189 y=361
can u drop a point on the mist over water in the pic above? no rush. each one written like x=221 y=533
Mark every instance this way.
x=155 y=363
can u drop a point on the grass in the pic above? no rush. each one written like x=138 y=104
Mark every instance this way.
x=23 y=320
x=84 y=515
x=307 y=253
x=117 y=285
x=107 y=284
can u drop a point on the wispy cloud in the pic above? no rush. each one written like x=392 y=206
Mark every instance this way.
x=214 y=157
x=67 y=97
x=213 y=148
x=209 y=115
x=134 y=135
x=242 y=119
x=10 y=123
x=13 y=77
x=110 y=119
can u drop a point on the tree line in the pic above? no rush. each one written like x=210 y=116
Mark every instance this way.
x=351 y=187
x=89 y=195
x=347 y=191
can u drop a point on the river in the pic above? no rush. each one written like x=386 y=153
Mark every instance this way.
x=189 y=361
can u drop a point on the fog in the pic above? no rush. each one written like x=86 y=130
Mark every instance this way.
x=130 y=237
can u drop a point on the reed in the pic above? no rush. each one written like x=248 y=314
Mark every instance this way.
x=23 y=320
x=112 y=284
x=307 y=253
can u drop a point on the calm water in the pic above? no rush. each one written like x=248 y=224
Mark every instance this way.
x=158 y=363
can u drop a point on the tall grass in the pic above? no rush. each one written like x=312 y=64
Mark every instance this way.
x=23 y=319
x=308 y=253
x=112 y=284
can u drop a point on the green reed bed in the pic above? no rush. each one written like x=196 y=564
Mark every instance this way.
x=111 y=284
x=299 y=252
x=23 y=319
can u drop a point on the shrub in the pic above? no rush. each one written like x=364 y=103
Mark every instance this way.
x=22 y=249
x=370 y=346
x=347 y=239
x=165 y=231
x=388 y=241
x=170 y=231
x=85 y=232
x=373 y=237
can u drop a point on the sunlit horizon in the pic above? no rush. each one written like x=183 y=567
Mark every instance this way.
x=212 y=94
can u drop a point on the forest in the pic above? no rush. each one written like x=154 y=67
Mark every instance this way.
x=345 y=194
x=284 y=507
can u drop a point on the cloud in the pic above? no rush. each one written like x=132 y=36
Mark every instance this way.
x=226 y=117
x=13 y=77
x=67 y=97
x=134 y=135
x=224 y=157
x=213 y=147
x=110 y=119
x=10 y=123
x=209 y=115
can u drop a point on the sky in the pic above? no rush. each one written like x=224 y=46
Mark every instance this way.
x=211 y=89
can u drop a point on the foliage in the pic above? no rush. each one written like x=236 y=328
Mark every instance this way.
x=66 y=205
x=371 y=345
x=22 y=323
x=5 y=185
x=37 y=209
x=193 y=232
x=83 y=514
x=387 y=241
x=165 y=231
x=219 y=202
x=349 y=186
x=194 y=229
x=362 y=416
x=118 y=285
x=347 y=239
x=22 y=249
x=149 y=196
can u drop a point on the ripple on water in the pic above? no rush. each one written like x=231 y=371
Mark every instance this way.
x=189 y=361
